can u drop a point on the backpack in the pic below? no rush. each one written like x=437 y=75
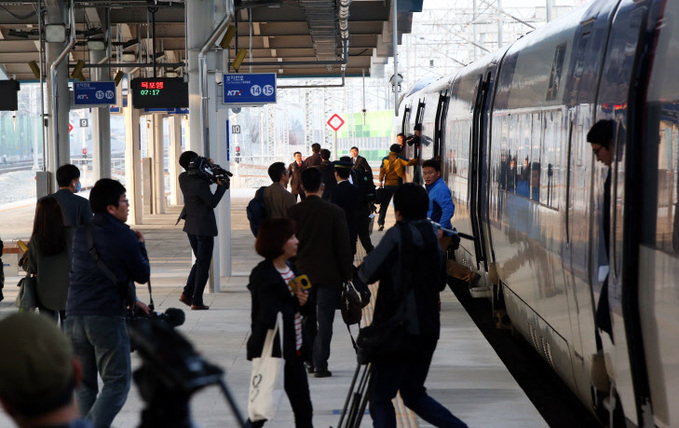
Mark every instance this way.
x=365 y=183
x=257 y=211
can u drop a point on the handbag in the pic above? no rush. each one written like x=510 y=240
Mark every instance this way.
x=351 y=304
x=28 y=294
x=383 y=342
x=266 y=381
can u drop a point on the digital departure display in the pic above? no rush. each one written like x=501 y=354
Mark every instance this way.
x=160 y=93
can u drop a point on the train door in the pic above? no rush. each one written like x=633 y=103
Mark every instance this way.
x=414 y=173
x=477 y=156
x=620 y=102
x=439 y=125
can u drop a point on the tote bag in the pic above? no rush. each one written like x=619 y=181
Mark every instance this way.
x=266 y=381
x=28 y=295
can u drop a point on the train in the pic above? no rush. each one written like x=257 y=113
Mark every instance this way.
x=510 y=130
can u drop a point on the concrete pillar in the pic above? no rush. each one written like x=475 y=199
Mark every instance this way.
x=219 y=150
x=101 y=126
x=132 y=161
x=200 y=19
x=59 y=152
x=176 y=197
x=158 y=165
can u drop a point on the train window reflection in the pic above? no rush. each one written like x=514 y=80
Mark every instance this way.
x=667 y=229
x=549 y=169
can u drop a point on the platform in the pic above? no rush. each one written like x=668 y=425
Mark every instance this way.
x=466 y=375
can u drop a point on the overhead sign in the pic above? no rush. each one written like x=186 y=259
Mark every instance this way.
x=160 y=92
x=250 y=89
x=335 y=122
x=94 y=93
x=167 y=110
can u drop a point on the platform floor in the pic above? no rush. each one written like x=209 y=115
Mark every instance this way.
x=466 y=375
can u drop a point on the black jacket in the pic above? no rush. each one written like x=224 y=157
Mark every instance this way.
x=270 y=295
x=90 y=291
x=417 y=265
x=199 y=204
x=348 y=197
x=329 y=181
x=362 y=163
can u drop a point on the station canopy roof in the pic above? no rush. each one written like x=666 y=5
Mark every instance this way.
x=293 y=38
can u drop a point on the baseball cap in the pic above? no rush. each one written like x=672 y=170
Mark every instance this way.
x=36 y=363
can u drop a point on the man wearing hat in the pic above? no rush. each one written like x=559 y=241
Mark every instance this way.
x=348 y=197
x=38 y=373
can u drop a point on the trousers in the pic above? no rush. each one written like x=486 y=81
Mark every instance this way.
x=202 y=247
x=407 y=377
x=103 y=347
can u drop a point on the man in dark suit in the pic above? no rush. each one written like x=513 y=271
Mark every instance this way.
x=75 y=208
x=315 y=158
x=359 y=162
x=294 y=171
x=200 y=226
x=328 y=174
x=348 y=197
x=325 y=256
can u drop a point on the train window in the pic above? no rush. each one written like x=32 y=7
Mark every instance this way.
x=513 y=162
x=523 y=153
x=536 y=141
x=555 y=74
x=549 y=168
x=667 y=227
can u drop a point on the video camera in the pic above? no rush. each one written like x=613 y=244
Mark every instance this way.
x=171 y=372
x=205 y=168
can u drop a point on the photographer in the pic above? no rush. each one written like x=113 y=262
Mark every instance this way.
x=95 y=306
x=409 y=265
x=200 y=224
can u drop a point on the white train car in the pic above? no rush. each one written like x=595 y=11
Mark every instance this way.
x=510 y=131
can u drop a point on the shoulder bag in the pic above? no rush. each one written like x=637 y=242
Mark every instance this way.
x=28 y=294
x=266 y=381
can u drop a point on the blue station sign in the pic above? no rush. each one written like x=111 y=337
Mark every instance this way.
x=94 y=93
x=250 y=89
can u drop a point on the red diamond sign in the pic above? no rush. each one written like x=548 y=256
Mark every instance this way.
x=70 y=127
x=335 y=122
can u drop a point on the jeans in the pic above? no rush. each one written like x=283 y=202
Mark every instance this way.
x=296 y=387
x=103 y=347
x=319 y=324
x=408 y=377
x=384 y=205
x=195 y=285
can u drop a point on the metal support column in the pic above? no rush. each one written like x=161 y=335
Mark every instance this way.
x=176 y=197
x=59 y=152
x=158 y=165
x=133 y=161
x=101 y=126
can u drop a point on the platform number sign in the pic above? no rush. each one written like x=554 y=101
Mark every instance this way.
x=83 y=123
x=235 y=129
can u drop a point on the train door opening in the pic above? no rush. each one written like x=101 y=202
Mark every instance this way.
x=477 y=152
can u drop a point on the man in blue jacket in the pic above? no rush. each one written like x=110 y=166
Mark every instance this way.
x=441 y=210
x=95 y=308
x=441 y=206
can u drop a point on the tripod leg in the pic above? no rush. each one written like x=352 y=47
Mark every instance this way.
x=364 y=402
x=232 y=403
x=349 y=396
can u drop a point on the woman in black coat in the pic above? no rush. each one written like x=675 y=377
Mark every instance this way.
x=272 y=292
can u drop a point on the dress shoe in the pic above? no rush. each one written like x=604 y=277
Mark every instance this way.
x=381 y=228
x=309 y=367
x=185 y=300
x=322 y=373
x=200 y=307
